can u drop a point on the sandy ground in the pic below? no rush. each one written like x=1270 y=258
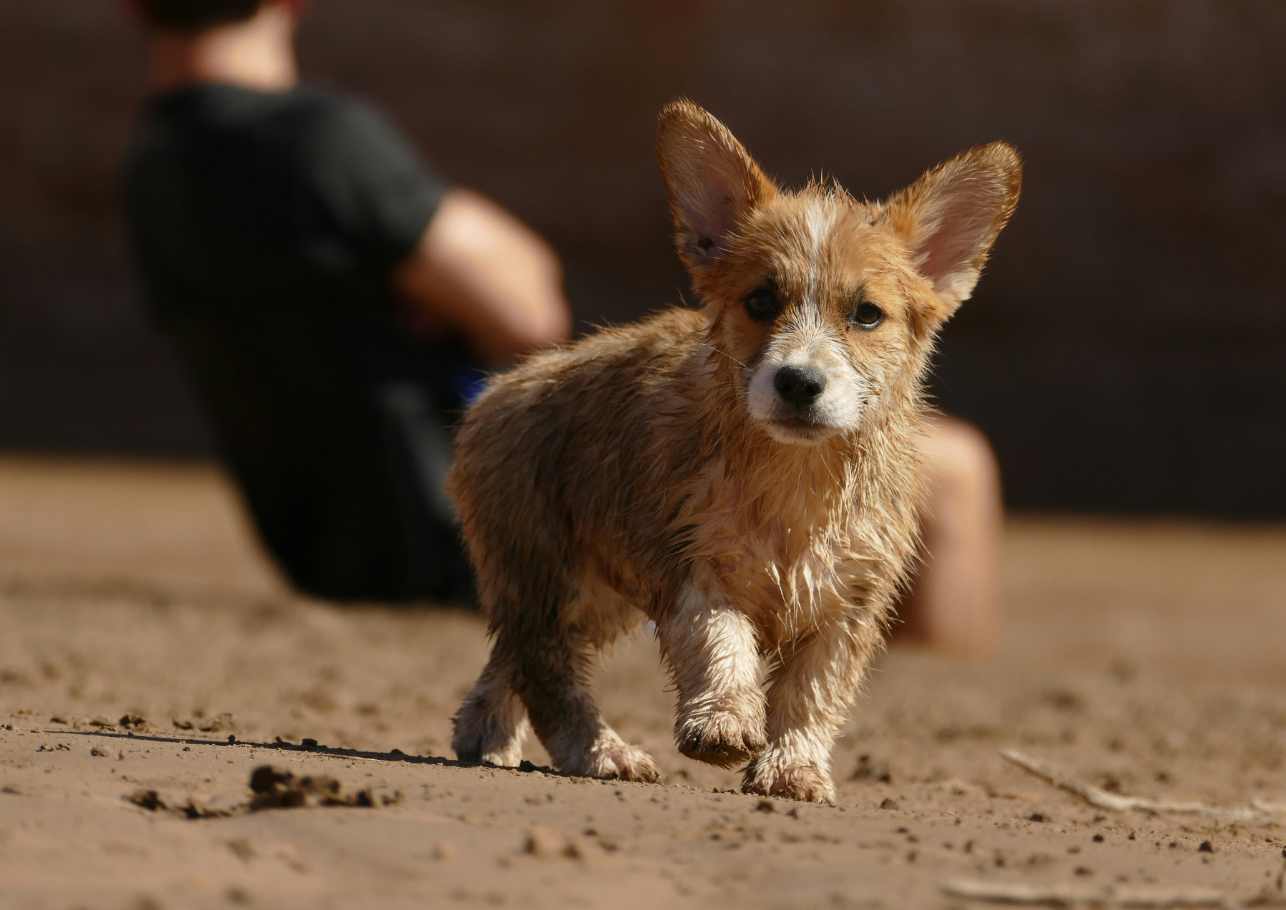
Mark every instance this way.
x=1146 y=658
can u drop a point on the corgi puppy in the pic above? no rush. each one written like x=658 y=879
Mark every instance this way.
x=745 y=475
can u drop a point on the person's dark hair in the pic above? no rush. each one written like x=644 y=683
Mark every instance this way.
x=193 y=15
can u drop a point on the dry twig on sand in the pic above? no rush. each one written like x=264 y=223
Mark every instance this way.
x=1255 y=811
x=1073 y=896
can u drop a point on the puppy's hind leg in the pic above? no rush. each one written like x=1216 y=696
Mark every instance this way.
x=492 y=723
x=552 y=678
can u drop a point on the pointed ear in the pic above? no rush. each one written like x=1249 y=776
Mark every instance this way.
x=710 y=180
x=952 y=215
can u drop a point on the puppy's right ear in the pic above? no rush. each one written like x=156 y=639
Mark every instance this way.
x=710 y=180
x=951 y=216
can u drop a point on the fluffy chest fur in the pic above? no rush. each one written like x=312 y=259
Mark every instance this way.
x=791 y=535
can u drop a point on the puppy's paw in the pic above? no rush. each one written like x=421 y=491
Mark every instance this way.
x=720 y=738
x=802 y=782
x=486 y=739
x=621 y=761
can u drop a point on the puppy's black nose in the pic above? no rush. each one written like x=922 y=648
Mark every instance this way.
x=799 y=386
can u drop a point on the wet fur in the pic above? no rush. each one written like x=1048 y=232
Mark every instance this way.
x=642 y=471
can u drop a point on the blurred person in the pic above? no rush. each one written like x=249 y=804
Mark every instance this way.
x=330 y=298
x=333 y=301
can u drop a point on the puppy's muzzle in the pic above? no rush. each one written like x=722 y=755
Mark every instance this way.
x=799 y=386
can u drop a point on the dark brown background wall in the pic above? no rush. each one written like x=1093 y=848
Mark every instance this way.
x=1125 y=351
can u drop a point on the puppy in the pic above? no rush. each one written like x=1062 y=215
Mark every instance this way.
x=744 y=475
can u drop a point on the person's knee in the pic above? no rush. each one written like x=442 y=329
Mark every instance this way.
x=958 y=460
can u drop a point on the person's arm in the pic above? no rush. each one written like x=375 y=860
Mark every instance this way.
x=480 y=271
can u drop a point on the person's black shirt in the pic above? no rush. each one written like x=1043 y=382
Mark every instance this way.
x=265 y=226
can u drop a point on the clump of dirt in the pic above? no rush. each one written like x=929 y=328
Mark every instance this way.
x=273 y=788
x=136 y=722
x=153 y=801
x=276 y=788
x=217 y=724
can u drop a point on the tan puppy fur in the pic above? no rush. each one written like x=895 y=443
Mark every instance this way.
x=745 y=475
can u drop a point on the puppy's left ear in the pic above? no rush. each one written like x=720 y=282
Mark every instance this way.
x=711 y=181
x=952 y=215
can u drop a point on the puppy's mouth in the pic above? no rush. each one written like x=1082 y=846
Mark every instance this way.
x=799 y=430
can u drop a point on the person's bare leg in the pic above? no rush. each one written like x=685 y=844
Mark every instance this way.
x=954 y=602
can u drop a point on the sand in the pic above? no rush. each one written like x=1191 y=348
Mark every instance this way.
x=141 y=629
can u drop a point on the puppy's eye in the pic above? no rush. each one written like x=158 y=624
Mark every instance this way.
x=867 y=316
x=761 y=303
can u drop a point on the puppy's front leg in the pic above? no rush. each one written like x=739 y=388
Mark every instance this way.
x=809 y=695
x=714 y=663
